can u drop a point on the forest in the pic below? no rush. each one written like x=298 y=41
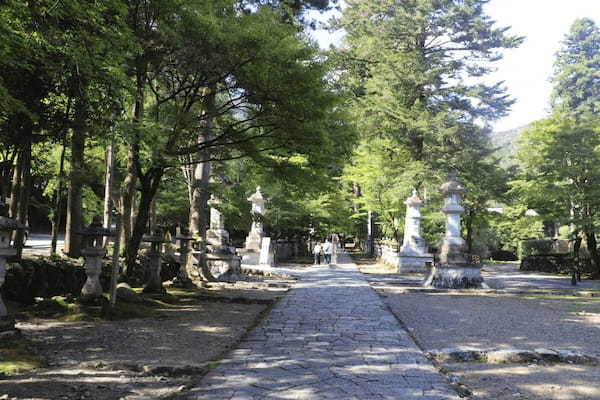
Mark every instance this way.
x=143 y=109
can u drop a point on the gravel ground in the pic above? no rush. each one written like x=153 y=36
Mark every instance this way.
x=441 y=320
x=509 y=276
x=487 y=322
x=147 y=358
x=532 y=382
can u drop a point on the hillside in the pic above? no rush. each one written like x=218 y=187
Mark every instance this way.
x=506 y=142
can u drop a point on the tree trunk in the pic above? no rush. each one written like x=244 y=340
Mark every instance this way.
x=73 y=240
x=469 y=226
x=6 y=171
x=200 y=194
x=149 y=183
x=592 y=246
x=152 y=224
x=128 y=195
x=15 y=187
x=24 y=191
x=129 y=184
x=58 y=202
x=108 y=186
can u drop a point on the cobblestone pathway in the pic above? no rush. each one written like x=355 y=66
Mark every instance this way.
x=331 y=337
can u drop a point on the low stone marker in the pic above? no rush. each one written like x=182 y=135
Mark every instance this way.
x=183 y=280
x=154 y=283
x=266 y=253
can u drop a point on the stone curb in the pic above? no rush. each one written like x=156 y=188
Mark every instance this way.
x=513 y=356
x=391 y=289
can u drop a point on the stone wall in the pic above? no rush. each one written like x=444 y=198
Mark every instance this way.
x=387 y=254
x=47 y=277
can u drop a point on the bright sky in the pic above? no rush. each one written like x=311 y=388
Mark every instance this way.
x=526 y=70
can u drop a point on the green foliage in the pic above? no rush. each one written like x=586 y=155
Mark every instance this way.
x=513 y=226
x=577 y=65
x=560 y=160
x=544 y=247
x=413 y=69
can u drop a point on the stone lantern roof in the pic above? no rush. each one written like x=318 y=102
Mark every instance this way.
x=257 y=197
x=9 y=224
x=413 y=200
x=184 y=235
x=452 y=186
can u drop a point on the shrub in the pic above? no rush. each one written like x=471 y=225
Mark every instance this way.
x=539 y=247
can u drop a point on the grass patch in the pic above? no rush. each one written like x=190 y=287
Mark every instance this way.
x=16 y=358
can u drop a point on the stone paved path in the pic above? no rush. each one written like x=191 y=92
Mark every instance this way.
x=330 y=338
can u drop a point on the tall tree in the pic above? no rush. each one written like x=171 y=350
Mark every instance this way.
x=577 y=70
x=561 y=174
x=416 y=71
x=417 y=67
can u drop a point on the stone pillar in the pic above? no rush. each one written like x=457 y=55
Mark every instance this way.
x=413 y=253
x=154 y=283
x=335 y=242
x=454 y=269
x=93 y=252
x=7 y=226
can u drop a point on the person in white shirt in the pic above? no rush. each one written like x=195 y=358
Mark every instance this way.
x=317 y=252
x=327 y=251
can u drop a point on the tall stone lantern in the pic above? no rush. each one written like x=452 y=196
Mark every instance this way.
x=94 y=252
x=454 y=269
x=254 y=239
x=413 y=253
x=7 y=226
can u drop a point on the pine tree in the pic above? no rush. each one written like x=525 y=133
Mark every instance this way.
x=577 y=70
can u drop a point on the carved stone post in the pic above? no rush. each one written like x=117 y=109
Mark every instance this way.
x=454 y=270
x=7 y=226
x=154 y=283
x=183 y=279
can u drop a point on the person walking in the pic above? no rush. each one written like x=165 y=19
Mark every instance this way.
x=317 y=252
x=327 y=251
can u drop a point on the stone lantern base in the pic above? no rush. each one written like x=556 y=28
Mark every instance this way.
x=7 y=327
x=414 y=263
x=223 y=266
x=455 y=277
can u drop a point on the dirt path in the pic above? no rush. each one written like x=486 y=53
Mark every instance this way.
x=145 y=358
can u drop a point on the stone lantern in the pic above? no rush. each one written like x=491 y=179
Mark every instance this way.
x=7 y=226
x=94 y=252
x=154 y=283
x=454 y=269
x=182 y=279
x=413 y=253
x=254 y=239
